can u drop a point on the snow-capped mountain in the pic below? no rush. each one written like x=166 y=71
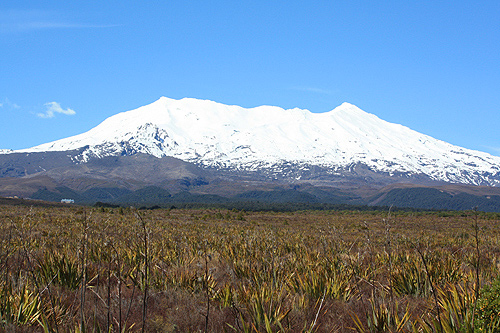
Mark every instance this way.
x=270 y=138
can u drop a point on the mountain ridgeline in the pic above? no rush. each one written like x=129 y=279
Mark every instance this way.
x=189 y=150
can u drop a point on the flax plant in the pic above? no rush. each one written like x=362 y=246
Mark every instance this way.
x=83 y=269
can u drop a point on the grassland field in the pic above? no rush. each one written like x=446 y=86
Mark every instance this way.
x=83 y=269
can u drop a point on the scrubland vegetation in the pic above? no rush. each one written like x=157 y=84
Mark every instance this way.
x=82 y=269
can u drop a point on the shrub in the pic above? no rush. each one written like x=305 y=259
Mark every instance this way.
x=488 y=308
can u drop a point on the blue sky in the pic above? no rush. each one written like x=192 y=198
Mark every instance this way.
x=432 y=66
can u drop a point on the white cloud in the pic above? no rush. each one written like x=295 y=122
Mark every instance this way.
x=6 y=103
x=27 y=20
x=315 y=90
x=53 y=108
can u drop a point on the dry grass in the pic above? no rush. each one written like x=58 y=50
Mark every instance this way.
x=81 y=269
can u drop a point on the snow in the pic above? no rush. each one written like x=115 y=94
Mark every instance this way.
x=229 y=136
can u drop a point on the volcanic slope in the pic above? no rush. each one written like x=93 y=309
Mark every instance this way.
x=229 y=137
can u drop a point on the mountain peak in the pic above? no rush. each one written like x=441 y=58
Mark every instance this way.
x=347 y=105
x=231 y=137
x=349 y=108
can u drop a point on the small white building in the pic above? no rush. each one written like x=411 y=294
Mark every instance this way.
x=69 y=201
